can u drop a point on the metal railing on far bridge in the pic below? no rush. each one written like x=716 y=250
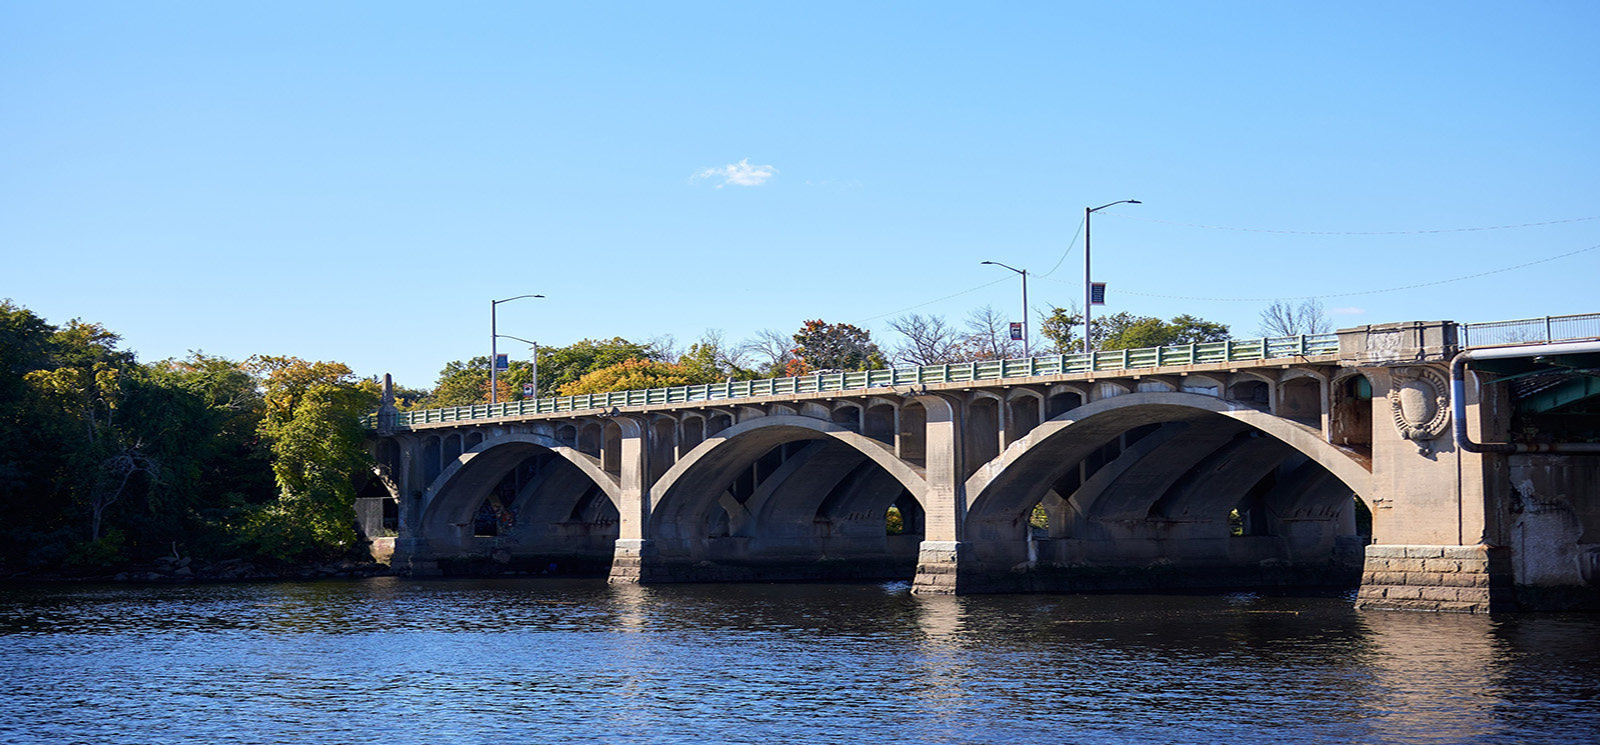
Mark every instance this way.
x=1310 y=345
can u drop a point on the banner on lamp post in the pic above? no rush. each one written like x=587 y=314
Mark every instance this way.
x=1016 y=332
x=1097 y=293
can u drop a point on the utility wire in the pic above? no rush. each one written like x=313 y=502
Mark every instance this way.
x=931 y=302
x=1064 y=255
x=1127 y=216
x=1068 y=252
x=1361 y=292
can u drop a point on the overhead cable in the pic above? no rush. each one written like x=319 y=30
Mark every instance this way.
x=1362 y=292
x=1127 y=216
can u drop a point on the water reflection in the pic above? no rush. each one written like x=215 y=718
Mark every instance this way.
x=555 y=660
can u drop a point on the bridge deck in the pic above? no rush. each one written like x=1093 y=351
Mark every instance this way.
x=1082 y=367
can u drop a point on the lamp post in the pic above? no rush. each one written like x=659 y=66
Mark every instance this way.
x=494 y=349
x=1088 y=285
x=1026 y=348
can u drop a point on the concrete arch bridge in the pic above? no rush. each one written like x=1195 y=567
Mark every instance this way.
x=1311 y=461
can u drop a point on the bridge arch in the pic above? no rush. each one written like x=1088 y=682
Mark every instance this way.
x=550 y=505
x=1148 y=475
x=779 y=496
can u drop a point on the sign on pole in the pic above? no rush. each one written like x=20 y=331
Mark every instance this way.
x=1016 y=332
x=502 y=362
x=1097 y=293
x=527 y=390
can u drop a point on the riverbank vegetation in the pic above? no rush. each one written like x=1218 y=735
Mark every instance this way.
x=105 y=460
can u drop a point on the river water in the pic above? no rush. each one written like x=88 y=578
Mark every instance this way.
x=567 y=661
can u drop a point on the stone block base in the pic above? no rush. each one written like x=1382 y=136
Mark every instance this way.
x=1460 y=579
x=937 y=562
x=633 y=562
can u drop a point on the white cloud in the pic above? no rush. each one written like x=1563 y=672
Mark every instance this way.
x=1350 y=311
x=738 y=174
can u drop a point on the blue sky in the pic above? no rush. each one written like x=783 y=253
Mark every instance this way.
x=356 y=181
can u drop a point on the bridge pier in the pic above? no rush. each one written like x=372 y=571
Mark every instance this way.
x=635 y=562
x=1466 y=579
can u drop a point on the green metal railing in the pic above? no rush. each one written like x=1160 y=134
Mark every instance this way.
x=961 y=372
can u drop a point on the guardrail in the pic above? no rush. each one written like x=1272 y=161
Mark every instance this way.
x=1530 y=331
x=1062 y=364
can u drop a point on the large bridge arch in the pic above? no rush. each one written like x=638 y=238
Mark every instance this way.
x=554 y=506
x=780 y=496
x=1003 y=483
x=1167 y=468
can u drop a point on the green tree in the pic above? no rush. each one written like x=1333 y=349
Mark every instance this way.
x=637 y=374
x=712 y=357
x=82 y=394
x=1061 y=327
x=835 y=346
x=218 y=466
x=313 y=425
x=1125 y=330
x=560 y=366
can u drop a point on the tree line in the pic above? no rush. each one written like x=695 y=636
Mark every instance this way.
x=105 y=460
x=616 y=364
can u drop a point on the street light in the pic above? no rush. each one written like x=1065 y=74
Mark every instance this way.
x=1088 y=285
x=494 y=349
x=1026 y=349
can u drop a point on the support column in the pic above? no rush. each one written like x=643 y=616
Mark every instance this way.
x=634 y=560
x=939 y=557
x=411 y=555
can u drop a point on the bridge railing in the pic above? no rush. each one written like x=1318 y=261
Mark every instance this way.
x=958 y=372
x=1530 y=330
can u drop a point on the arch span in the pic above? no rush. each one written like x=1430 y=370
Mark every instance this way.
x=1021 y=475
x=1160 y=479
x=785 y=497
x=711 y=462
x=552 y=506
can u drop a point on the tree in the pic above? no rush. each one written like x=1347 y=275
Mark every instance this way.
x=1187 y=329
x=84 y=392
x=313 y=423
x=777 y=351
x=637 y=374
x=1125 y=330
x=989 y=337
x=714 y=358
x=1283 y=319
x=835 y=346
x=560 y=366
x=929 y=340
x=1061 y=327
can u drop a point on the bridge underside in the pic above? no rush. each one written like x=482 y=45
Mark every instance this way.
x=1155 y=498
x=802 y=509
x=518 y=509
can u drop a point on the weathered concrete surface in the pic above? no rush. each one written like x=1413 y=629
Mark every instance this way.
x=1553 y=530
